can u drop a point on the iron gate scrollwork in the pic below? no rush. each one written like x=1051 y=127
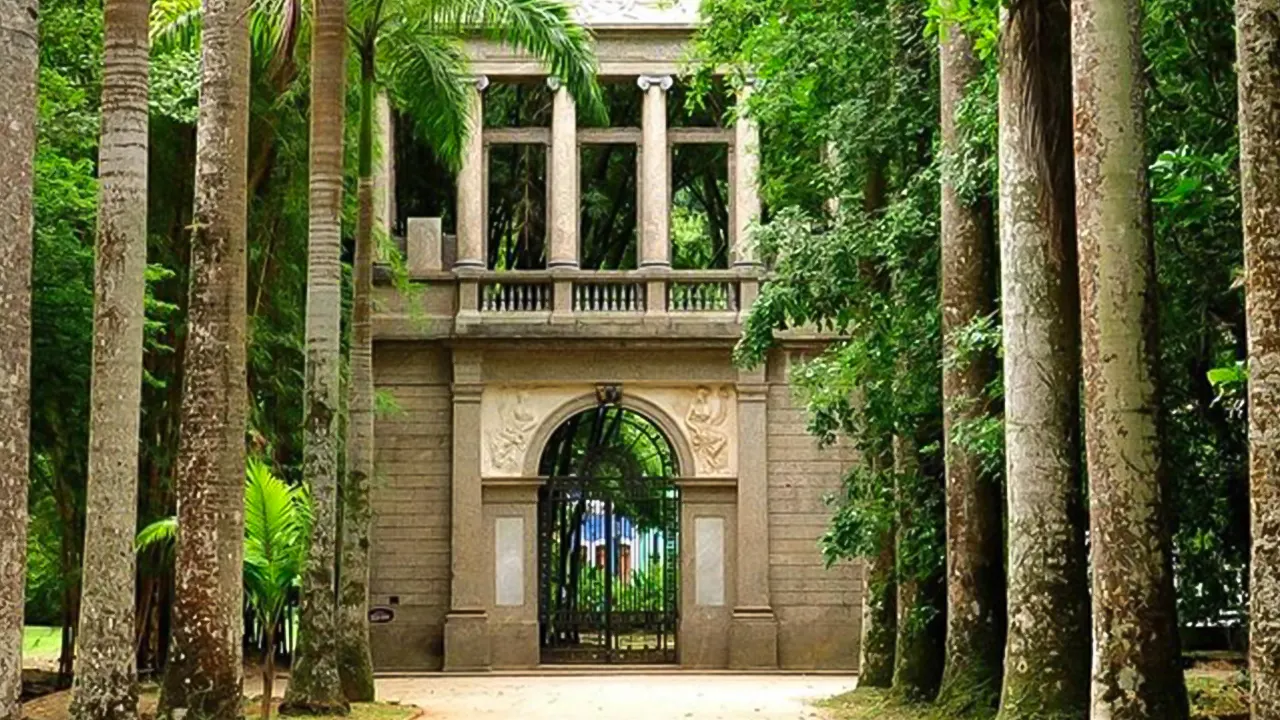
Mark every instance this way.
x=609 y=556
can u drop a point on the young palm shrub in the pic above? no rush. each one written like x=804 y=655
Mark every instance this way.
x=277 y=523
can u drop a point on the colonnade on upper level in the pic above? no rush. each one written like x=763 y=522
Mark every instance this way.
x=565 y=138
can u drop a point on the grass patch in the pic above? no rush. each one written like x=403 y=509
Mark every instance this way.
x=876 y=704
x=1215 y=697
x=359 y=711
x=41 y=642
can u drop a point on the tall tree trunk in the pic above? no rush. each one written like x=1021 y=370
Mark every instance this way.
x=1047 y=652
x=355 y=661
x=18 y=62
x=975 y=569
x=917 y=666
x=1137 y=670
x=204 y=675
x=314 y=684
x=879 y=603
x=105 y=676
x=1258 y=36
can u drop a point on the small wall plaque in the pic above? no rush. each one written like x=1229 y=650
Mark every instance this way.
x=381 y=615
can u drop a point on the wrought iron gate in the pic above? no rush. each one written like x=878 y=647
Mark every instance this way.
x=608 y=567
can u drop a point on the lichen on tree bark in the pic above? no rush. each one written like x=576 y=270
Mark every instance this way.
x=105 y=677
x=1047 y=650
x=204 y=673
x=314 y=684
x=975 y=569
x=19 y=57
x=1258 y=50
x=1137 y=671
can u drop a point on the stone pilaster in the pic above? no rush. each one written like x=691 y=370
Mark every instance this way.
x=471 y=209
x=746 y=187
x=655 y=174
x=564 y=179
x=384 y=174
x=466 y=632
x=753 y=634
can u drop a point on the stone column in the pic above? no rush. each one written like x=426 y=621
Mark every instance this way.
x=746 y=188
x=655 y=174
x=564 y=179
x=753 y=634
x=384 y=174
x=471 y=209
x=466 y=632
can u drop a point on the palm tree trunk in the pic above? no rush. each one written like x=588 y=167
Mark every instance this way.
x=1137 y=665
x=18 y=62
x=355 y=661
x=975 y=571
x=1047 y=651
x=314 y=685
x=204 y=675
x=105 y=677
x=1137 y=670
x=1258 y=28
x=268 y=666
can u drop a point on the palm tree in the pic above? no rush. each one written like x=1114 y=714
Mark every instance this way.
x=104 y=686
x=1259 y=53
x=1046 y=669
x=410 y=49
x=277 y=525
x=314 y=687
x=18 y=61
x=975 y=568
x=204 y=672
x=1137 y=668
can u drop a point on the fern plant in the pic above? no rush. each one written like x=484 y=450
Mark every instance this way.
x=277 y=525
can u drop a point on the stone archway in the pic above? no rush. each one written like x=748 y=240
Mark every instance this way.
x=608 y=540
x=674 y=433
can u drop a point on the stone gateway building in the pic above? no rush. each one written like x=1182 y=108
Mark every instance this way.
x=572 y=469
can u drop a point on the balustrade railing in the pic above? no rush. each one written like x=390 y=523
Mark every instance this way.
x=591 y=297
x=702 y=296
x=505 y=297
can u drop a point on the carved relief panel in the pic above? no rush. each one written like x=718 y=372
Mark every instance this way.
x=515 y=418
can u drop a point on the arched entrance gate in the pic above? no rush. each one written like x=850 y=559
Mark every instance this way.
x=608 y=541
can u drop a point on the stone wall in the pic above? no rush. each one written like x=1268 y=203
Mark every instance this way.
x=818 y=608
x=410 y=556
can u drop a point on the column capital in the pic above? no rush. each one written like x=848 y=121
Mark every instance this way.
x=662 y=82
x=554 y=82
x=481 y=82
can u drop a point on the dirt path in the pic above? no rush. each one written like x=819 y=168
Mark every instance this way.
x=617 y=697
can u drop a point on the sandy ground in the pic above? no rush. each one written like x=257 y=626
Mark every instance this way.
x=617 y=697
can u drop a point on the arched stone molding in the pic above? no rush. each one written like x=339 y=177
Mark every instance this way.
x=670 y=428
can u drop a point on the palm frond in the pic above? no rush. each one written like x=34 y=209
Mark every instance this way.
x=424 y=74
x=176 y=24
x=545 y=29
x=162 y=532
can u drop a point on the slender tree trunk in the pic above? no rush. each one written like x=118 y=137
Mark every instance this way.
x=975 y=570
x=917 y=666
x=355 y=661
x=18 y=62
x=1137 y=670
x=204 y=675
x=314 y=684
x=1047 y=653
x=105 y=676
x=879 y=605
x=1258 y=35
x=268 y=668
